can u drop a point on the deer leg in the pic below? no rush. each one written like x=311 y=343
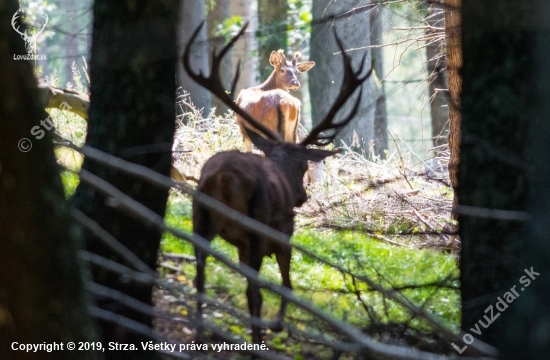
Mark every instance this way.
x=283 y=259
x=199 y=283
x=253 y=294
x=201 y=226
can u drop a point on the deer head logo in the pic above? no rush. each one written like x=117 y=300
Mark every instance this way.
x=29 y=40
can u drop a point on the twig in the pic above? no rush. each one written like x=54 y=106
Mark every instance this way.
x=402 y=172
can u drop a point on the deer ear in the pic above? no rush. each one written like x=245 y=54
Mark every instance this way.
x=261 y=143
x=274 y=59
x=305 y=66
x=317 y=155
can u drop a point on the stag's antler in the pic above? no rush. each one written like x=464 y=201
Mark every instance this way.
x=46 y=18
x=352 y=80
x=16 y=16
x=214 y=84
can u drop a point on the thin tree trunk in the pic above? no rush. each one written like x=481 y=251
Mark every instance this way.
x=132 y=115
x=325 y=79
x=437 y=78
x=70 y=41
x=271 y=21
x=42 y=292
x=216 y=15
x=244 y=49
x=191 y=14
x=381 y=115
x=454 y=64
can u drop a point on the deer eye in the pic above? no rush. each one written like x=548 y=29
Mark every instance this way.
x=282 y=71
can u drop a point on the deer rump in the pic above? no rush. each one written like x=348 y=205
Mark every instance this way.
x=264 y=104
x=246 y=183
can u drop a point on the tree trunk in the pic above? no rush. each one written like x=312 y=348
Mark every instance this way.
x=42 y=293
x=132 y=116
x=70 y=42
x=216 y=15
x=191 y=14
x=377 y=54
x=272 y=23
x=245 y=48
x=454 y=64
x=437 y=78
x=494 y=171
x=522 y=334
x=325 y=79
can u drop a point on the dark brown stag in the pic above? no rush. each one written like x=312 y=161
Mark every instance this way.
x=264 y=188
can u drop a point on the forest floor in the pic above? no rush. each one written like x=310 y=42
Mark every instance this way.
x=396 y=211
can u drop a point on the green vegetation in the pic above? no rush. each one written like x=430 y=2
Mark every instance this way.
x=426 y=277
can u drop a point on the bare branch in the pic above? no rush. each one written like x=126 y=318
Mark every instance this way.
x=496 y=214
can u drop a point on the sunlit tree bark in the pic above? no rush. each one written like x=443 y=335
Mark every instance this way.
x=326 y=77
x=439 y=108
x=453 y=40
x=246 y=48
x=381 y=114
x=217 y=13
x=191 y=14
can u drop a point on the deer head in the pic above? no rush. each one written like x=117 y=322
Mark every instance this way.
x=30 y=41
x=285 y=73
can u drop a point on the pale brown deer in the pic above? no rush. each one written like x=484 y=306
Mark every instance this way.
x=264 y=188
x=263 y=101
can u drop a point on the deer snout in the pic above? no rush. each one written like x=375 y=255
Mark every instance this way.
x=294 y=84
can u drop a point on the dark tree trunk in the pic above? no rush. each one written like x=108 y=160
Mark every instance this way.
x=437 y=78
x=132 y=116
x=493 y=173
x=42 y=293
x=271 y=21
x=381 y=114
x=522 y=334
x=326 y=77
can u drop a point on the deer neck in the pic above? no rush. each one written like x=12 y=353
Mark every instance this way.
x=270 y=83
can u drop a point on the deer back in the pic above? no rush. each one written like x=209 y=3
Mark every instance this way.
x=248 y=183
x=263 y=105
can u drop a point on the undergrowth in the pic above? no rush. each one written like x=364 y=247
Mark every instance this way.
x=347 y=220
